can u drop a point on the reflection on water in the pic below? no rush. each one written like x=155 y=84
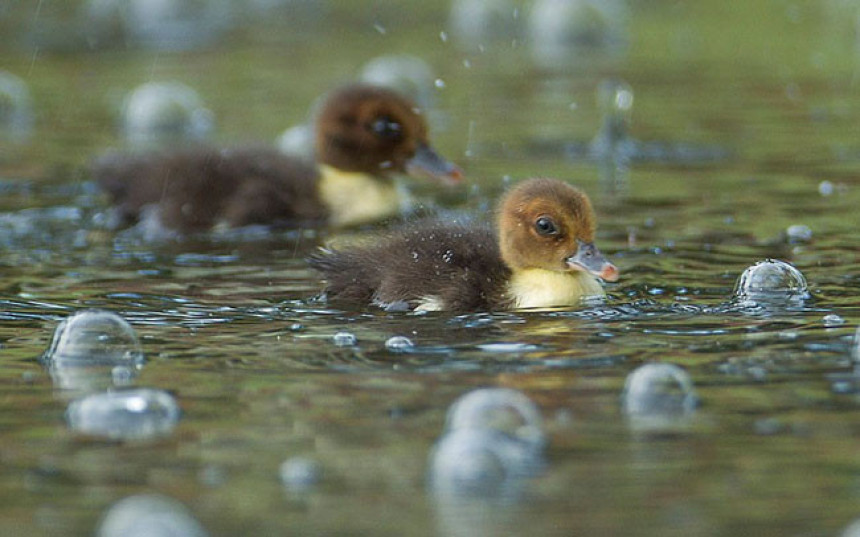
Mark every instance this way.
x=298 y=418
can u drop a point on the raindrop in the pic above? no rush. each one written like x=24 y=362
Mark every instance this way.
x=825 y=188
x=443 y=35
x=299 y=473
x=502 y=410
x=149 y=515
x=658 y=396
x=379 y=28
x=345 y=339
x=771 y=282
x=440 y=84
x=399 y=344
x=137 y=414
x=91 y=349
x=165 y=112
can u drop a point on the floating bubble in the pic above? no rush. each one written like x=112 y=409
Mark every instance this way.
x=408 y=75
x=149 y=515
x=137 y=414
x=481 y=462
x=503 y=410
x=16 y=108
x=658 y=396
x=798 y=233
x=558 y=28
x=176 y=24
x=475 y=22
x=298 y=142
x=399 y=344
x=345 y=339
x=165 y=112
x=832 y=320
x=300 y=473
x=771 y=281
x=91 y=349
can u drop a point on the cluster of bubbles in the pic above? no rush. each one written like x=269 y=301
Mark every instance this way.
x=97 y=354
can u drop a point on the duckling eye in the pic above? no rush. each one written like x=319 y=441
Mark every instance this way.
x=545 y=226
x=387 y=128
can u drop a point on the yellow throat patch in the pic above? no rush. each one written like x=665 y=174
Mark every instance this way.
x=356 y=198
x=539 y=288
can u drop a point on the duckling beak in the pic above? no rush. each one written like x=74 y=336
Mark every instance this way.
x=589 y=259
x=426 y=162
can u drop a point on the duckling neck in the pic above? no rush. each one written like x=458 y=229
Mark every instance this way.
x=540 y=288
x=355 y=198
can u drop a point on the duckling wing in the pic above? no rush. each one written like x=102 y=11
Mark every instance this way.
x=429 y=265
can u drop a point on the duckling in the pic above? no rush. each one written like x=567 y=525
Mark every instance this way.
x=365 y=136
x=541 y=254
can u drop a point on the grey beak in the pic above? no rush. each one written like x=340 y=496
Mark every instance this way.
x=589 y=259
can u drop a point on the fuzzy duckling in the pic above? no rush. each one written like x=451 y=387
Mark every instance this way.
x=365 y=136
x=540 y=255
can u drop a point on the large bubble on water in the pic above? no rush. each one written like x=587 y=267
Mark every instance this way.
x=481 y=462
x=93 y=349
x=658 y=397
x=498 y=409
x=483 y=23
x=16 y=109
x=163 y=113
x=493 y=440
x=149 y=515
x=771 y=281
x=137 y=414
x=408 y=75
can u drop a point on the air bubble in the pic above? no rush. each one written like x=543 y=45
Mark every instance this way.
x=165 y=113
x=93 y=349
x=149 y=515
x=499 y=409
x=399 y=344
x=345 y=339
x=771 y=281
x=658 y=396
x=137 y=414
x=299 y=473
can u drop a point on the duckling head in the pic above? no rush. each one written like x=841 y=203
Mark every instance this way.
x=548 y=224
x=370 y=129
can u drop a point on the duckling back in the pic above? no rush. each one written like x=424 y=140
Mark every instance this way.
x=427 y=265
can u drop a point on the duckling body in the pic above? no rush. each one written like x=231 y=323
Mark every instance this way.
x=539 y=255
x=366 y=136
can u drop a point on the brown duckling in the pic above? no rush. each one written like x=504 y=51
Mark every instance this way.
x=540 y=255
x=365 y=136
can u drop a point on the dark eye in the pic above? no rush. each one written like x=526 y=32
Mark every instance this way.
x=545 y=226
x=387 y=128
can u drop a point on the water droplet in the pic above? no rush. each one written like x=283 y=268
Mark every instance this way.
x=379 y=28
x=125 y=415
x=86 y=348
x=443 y=35
x=345 y=339
x=658 y=396
x=825 y=188
x=399 y=344
x=439 y=83
x=771 y=282
x=499 y=409
x=149 y=515
x=299 y=473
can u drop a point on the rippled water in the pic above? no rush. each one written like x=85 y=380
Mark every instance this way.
x=747 y=114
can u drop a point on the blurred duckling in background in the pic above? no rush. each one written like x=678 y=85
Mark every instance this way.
x=541 y=254
x=365 y=137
